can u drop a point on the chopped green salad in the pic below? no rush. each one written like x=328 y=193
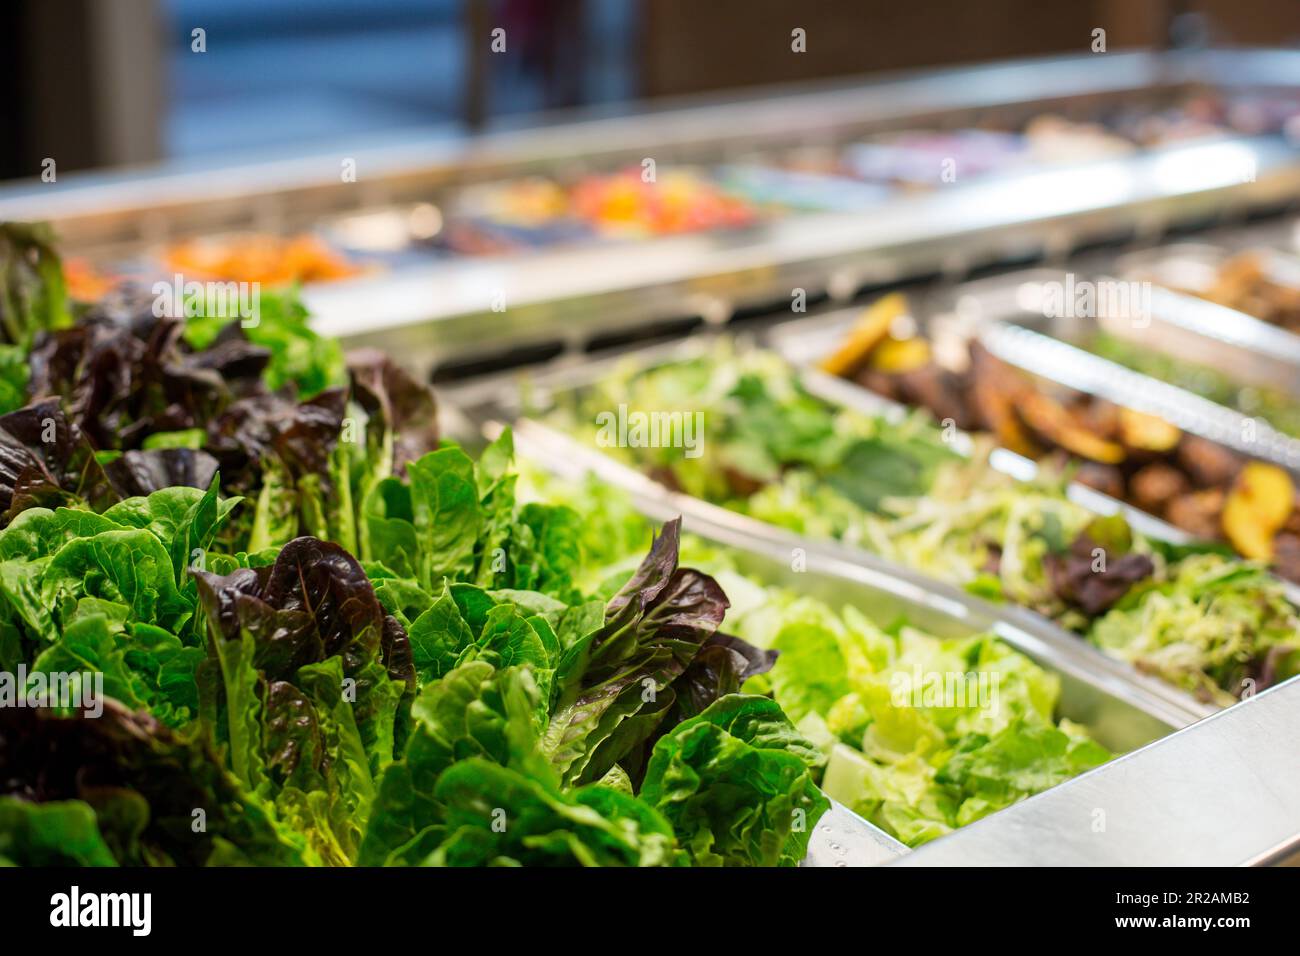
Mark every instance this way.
x=775 y=452
x=921 y=735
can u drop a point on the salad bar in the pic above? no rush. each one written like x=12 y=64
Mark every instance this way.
x=892 y=480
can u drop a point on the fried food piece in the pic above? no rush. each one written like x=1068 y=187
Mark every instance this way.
x=1198 y=513
x=1147 y=433
x=940 y=391
x=1107 y=479
x=869 y=331
x=1101 y=416
x=1052 y=422
x=1261 y=501
x=1153 y=487
x=1210 y=465
x=900 y=356
x=1243 y=283
x=1292 y=525
x=1286 y=556
x=995 y=392
x=890 y=386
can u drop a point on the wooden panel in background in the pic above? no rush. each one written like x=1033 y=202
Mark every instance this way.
x=690 y=47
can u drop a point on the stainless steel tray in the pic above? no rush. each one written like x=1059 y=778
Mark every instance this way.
x=570 y=297
x=1258 y=352
x=1244 y=349
x=1122 y=715
x=1014 y=329
x=1225 y=792
x=494 y=402
x=804 y=342
x=842 y=838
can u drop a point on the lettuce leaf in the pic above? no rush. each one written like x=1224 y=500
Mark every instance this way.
x=614 y=685
x=33 y=296
x=736 y=783
x=1217 y=627
x=143 y=786
x=475 y=710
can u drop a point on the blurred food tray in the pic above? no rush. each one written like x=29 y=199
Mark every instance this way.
x=427 y=306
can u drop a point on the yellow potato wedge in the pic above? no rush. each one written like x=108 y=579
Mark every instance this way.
x=869 y=331
x=1143 y=432
x=1053 y=423
x=899 y=356
x=1247 y=533
x=1261 y=501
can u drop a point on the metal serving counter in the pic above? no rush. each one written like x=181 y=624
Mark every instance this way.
x=493 y=405
x=805 y=342
x=293 y=190
x=569 y=297
x=1164 y=803
x=1225 y=792
x=553 y=300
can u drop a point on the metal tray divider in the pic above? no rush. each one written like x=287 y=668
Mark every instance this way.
x=1020 y=627
x=1189 y=311
x=1076 y=368
x=783 y=339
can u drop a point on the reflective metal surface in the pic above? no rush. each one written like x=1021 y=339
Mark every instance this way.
x=1091 y=680
x=1257 y=352
x=1016 y=339
x=569 y=295
x=1224 y=792
x=407 y=164
x=805 y=342
x=842 y=838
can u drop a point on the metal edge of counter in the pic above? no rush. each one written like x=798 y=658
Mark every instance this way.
x=680 y=119
x=816 y=104
x=1223 y=792
x=569 y=293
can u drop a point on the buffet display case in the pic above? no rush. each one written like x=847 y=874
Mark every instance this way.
x=399 y=288
x=523 y=273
